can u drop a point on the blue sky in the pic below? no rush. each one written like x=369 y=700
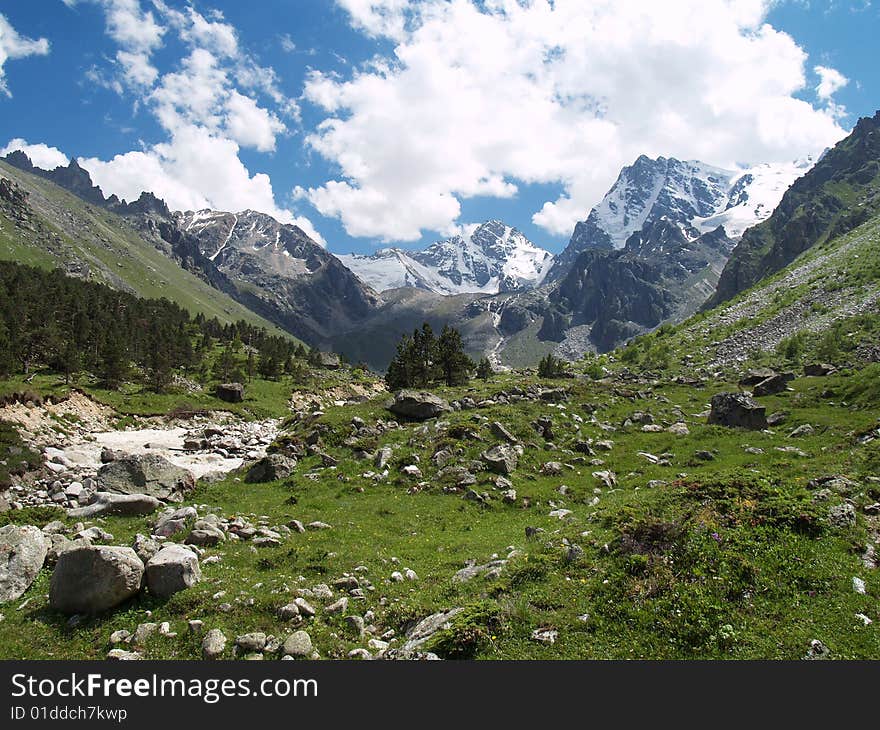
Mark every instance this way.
x=380 y=122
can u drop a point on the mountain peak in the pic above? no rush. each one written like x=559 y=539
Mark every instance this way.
x=494 y=257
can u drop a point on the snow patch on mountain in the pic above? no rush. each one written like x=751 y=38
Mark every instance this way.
x=493 y=257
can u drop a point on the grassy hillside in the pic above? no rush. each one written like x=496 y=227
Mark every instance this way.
x=66 y=232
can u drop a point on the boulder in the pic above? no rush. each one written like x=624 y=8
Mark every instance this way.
x=126 y=505
x=425 y=629
x=755 y=375
x=737 y=410
x=148 y=474
x=230 y=392
x=92 y=579
x=772 y=385
x=174 y=521
x=501 y=459
x=22 y=554
x=270 y=468
x=298 y=645
x=418 y=406
x=819 y=369
x=173 y=569
x=213 y=645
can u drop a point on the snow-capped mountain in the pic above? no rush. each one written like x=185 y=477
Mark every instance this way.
x=492 y=258
x=694 y=196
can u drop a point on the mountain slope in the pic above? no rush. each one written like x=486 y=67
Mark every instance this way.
x=839 y=193
x=45 y=225
x=493 y=258
x=279 y=268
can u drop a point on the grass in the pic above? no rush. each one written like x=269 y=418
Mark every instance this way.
x=730 y=558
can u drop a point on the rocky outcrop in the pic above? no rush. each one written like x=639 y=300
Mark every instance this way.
x=127 y=505
x=230 y=392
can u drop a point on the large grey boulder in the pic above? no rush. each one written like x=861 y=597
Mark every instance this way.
x=22 y=554
x=174 y=568
x=754 y=376
x=95 y=579
x=418 y=405
x=500 y=459
x=126 y=505
x=737 y=410
x=270 y=468
x=230 y=392
x=149 y=474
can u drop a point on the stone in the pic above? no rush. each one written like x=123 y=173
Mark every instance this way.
x=288 y=612
x=123 y=656
x=213 y=645
x=145 y=547
x=23 y=551
x=842 y=515
x=418 y=405
x=124 y=505
x=329 y=360
x=148 y=474
x=173 y=569
x=297 y=645
x=501 y=459
x=425 y=629
x=803 y=430
x=755 y=376
x=551 y=468
x=383 y=456
x=772 y=385
x=255 y=641
x=498 y=429
x=679 y=429
x=411 y=470
x=607 y=477
x=270 y=468
x=819 y=369
x=174 y=521
x=817 y=650
x=545 y=636
x=305 y=608
x=230 y=392
x=858 y=585
x=737 y=410
x=338 y=606
x=93 y=579
x=355 y=625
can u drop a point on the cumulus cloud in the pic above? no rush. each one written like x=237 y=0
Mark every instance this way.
x=13 y=46
x=41 y=155
x=830 y=82
x=479 y=98
x=208 y=107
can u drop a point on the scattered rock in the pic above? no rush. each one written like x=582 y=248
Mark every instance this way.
x=772 y=385
x=298 y=645
x=501 y=459
x=418 y=406
x=213 y=645
x=94 y=579
x=230 y=392
x=270 y=468
x=148 y=474
x=173 y=569
x=22 y=554
x=737 y=410
x=126 y=505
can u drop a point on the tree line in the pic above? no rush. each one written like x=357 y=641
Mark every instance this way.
x=48 y=319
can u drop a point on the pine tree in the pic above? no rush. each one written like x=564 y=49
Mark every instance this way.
x=400 y=370
x=484 y=369
x=424 y=356
x=453 y=363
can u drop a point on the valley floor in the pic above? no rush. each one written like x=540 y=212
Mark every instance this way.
x=628 y=528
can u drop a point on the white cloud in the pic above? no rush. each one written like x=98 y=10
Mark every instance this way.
x=13 y=46
x=41 y=155
x=479 y=98
x=287 y=43
x=830 y=82
x=194 y=170
x=208 y=107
